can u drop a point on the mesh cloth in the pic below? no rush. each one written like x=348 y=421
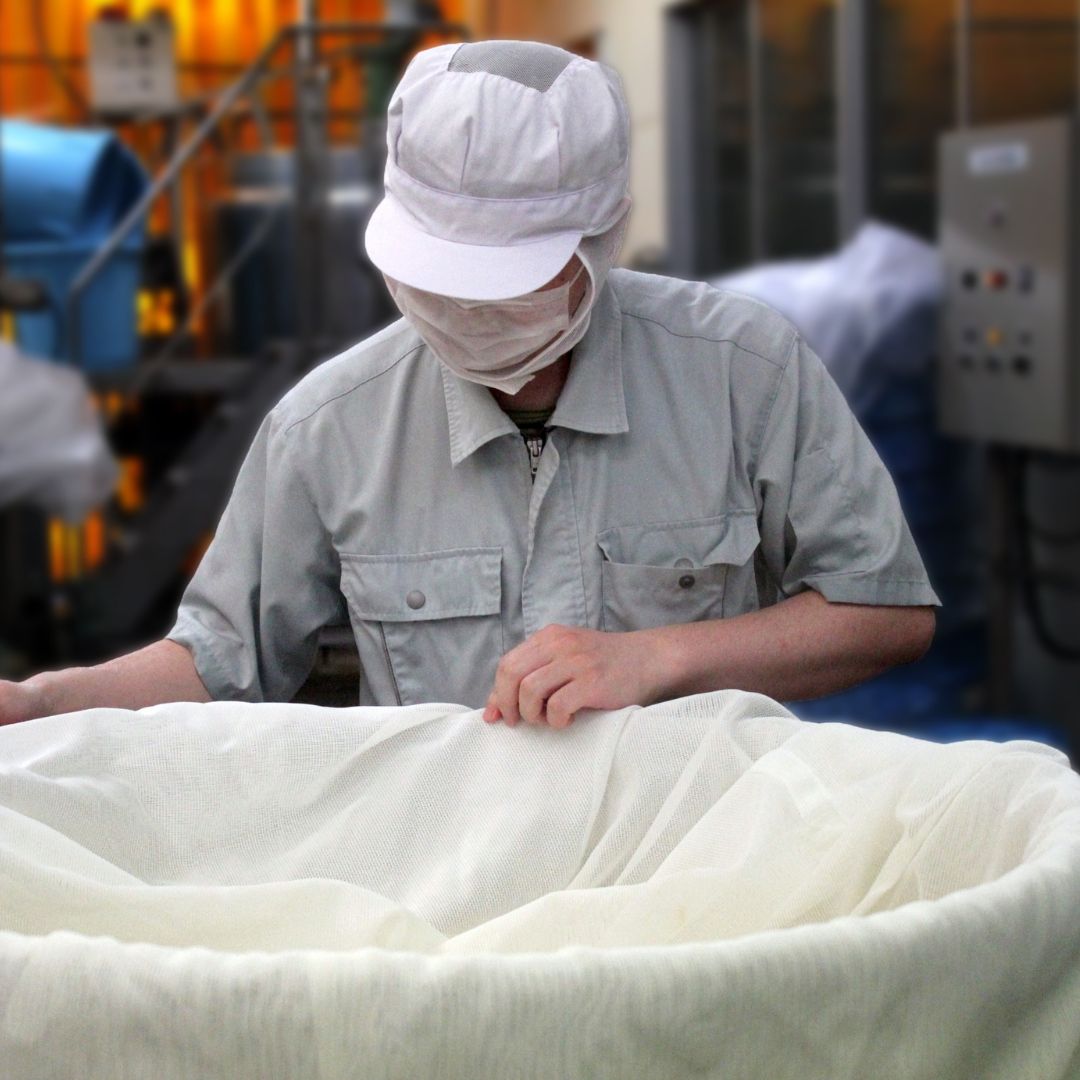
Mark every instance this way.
x=702 y=887
x=525 y=62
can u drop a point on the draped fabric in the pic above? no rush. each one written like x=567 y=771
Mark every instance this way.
x=702 y=887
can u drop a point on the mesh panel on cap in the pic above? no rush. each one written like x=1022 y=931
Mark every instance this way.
x=525 y=62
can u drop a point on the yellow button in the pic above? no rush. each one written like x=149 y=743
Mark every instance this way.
x=994 y=336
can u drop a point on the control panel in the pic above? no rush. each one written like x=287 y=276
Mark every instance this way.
x=1010 y=364
x=132 y=63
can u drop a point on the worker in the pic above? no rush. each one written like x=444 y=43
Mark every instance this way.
x=553 y=486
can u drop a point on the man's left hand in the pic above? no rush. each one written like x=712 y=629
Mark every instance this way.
x=563 y=669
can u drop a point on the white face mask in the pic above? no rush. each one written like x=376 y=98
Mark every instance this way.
x=498 y=343
x=503 y=343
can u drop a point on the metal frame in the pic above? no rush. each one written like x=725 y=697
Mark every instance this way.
x=853 y=42
x=854 y=24
x=963 y=63
x=758 y=168
x=684 y=164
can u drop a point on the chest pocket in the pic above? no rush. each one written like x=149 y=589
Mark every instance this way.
x=428 y=626
x=669 y=573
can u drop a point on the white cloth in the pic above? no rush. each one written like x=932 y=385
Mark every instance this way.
x=846 y=304
x=53 y=452
x=703 y=887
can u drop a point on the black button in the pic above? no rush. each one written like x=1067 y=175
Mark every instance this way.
x=969 y=279
x=1022 y=365
x=687 y=581
x=967 y=361
x=993 y=364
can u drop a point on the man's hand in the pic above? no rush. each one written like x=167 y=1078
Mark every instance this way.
x=562 y=669
x=802 y=647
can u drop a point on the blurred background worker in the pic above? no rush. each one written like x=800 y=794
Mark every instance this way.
x=769 y=134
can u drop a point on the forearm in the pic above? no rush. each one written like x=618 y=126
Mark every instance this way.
x=163 y=671
x=803 y=647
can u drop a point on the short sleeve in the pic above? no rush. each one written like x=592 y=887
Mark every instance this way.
x=830 y=516
x=267 y=584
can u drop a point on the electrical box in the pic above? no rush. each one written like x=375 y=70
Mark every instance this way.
x=132 y=64
x=1008 y=229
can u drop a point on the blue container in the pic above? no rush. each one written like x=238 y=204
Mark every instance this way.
x=64 y=191
x=108 y=317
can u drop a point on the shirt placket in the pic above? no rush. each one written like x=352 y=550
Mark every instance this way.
x=552 y=588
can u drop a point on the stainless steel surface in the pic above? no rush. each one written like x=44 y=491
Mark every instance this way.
x=1008 y=231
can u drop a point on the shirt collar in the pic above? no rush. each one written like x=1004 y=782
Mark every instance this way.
x=592 y=400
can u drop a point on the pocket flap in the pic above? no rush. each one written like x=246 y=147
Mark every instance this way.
x=428 y=585
x=729 y=539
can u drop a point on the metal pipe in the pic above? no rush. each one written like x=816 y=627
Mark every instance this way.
x=307 y=14
x=853 y=115
x=307 y=191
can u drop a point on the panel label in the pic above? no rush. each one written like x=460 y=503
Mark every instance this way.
x=999 y=158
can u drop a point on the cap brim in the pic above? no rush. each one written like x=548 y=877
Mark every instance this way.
x=465 y=271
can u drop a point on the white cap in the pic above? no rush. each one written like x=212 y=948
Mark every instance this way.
x=501 y=156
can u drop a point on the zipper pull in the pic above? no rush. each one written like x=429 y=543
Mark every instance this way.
x=535 y=446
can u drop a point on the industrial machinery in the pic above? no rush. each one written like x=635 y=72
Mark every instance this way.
x=285 y=285
x=1009 y=378
x=1010 y=241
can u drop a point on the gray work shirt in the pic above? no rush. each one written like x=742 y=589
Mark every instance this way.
x=701 y=463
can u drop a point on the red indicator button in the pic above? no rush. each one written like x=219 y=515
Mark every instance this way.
x=996 y=279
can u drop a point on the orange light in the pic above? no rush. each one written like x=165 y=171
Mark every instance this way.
x=144 y=306
x=94 y=541
x=129 y=492
x=56 y=551
x=996 y=279
x=73 y=550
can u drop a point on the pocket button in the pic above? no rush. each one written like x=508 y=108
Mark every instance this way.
x=687 y=581
x=416 y=599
